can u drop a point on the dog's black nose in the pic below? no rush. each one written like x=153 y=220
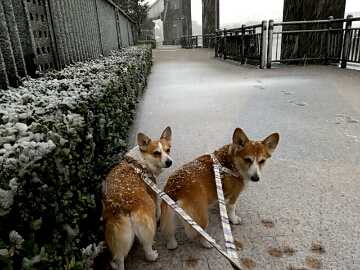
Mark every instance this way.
x=255 y=178
x=168 y=162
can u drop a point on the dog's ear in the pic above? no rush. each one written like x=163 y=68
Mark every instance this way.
x=239 y=137
x=271 y=142
x=143 y=141
x=166 y=134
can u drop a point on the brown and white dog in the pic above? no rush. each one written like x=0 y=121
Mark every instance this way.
x=193 y=185
x=130 y=207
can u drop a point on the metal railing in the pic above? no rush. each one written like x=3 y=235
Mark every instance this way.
x=209 y=41
x=351 y=48
x=318 y=41
x=189 y=42
x=247 y=43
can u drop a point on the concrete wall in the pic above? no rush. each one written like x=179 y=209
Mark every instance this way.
x=37 y=35
x=176 y=21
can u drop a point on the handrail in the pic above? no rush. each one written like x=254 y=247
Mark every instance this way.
x=334 y=39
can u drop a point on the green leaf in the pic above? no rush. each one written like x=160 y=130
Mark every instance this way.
x=36 y=224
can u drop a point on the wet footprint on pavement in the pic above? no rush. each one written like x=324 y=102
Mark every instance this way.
x=316 y=248
x=289 y=251
x=313 y=262
x=268 y=223
x=339 y=118
x=258 y=86
x=248 y=263
x=286 y=93
x=238 y=245
x=275 y=252
x=297 y=103
x=191 y=262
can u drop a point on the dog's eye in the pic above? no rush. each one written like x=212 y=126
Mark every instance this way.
x=248 y=160
x=262 y=161
x=156 y=153
x=168 y=150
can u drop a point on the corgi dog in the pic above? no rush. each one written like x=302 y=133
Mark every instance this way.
x=130 y=207
x=193 y=186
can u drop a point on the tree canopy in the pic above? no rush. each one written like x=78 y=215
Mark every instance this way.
x=137 y=10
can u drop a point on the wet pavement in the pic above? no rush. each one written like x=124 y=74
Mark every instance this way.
x=305 y=211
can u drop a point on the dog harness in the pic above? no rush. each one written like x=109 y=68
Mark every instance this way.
x=234 y=263
x=229 y=240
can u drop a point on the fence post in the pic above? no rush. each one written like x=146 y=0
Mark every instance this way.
x=242 y=59
x=346 y=44
x=216 y=43
x=7 y=51
x=225 y=44
x=15 y=38
x=270 y=43
x=328 y=45
x=99 y=29
x=4 y=82
x=263 y=45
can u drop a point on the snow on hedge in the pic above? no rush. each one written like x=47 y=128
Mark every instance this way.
x=59 y=134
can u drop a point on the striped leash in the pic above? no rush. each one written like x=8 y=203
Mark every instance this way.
x=185 y=216
x=229 y=240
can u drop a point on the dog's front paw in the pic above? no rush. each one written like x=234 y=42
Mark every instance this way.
x=151 y=255
x=235 y=220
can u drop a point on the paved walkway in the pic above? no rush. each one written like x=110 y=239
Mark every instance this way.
x=305 y=212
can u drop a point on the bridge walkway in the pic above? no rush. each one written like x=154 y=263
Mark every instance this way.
x=304 y=212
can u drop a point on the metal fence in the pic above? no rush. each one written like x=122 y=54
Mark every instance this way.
x=320 y=41
x=199 y=41
x=37 y=35
x=247 y=43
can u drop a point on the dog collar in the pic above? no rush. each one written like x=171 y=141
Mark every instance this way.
x=142 y=173
x=224 y=169
x=140 y=169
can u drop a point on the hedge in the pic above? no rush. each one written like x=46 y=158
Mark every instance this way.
x=60 y=135
x=152 y=42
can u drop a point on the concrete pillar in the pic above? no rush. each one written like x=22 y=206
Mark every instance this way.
x=176 y=20
x=305 y=10
x=186 y=12
x=210 y=16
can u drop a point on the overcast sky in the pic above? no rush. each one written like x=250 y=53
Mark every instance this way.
x=242 y=11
